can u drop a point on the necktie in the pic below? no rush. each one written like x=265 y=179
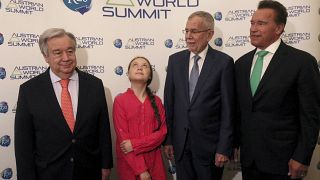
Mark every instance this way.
x=66 y=104
x=256 y=71
x=194 y=75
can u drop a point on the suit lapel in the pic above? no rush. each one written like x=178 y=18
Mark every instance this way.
x=52 y=102
x=247 y=73
x=270 y=71
x=185 y=73
x=82 y=99
x=205 y=71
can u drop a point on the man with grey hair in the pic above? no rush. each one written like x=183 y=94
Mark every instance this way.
x=61 y=125
x=199 y=104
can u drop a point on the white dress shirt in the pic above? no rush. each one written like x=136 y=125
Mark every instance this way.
x=200 y=61
x=266 y=60
x=73 y=88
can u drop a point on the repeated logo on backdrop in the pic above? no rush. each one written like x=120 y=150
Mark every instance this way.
x=237 y=15
x=89 y=42
x=81 y=6
x=19 y=39
x=4 y=107
x=296 y=11
x=134 y=43
x=24 y=7
x=1 y=38
x=3 y=73
x=237 y=41
x=295 y=38
x=26 y=72
x=5 y=141
x=118 y=70
x=6 y=174
x=145 y=9
x=92 y=69
x=178 y=44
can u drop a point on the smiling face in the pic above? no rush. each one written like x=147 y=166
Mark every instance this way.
x=197 y=34
x=61 y=56
x=264 y=30
x=140 y=71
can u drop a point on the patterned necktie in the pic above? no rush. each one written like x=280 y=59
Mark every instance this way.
x=66 y=104
x=194 y=75
x=256 y=71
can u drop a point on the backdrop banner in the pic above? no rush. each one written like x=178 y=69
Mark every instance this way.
x=111 y=32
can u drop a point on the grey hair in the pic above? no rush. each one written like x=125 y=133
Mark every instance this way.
x=52 y=33
x=207 y=17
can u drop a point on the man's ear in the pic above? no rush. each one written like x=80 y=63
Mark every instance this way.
x=280 y=29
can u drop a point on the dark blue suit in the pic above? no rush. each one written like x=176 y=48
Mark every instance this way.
x=207 y=118
x=45 y=147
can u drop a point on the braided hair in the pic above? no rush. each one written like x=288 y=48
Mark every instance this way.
x=149 y=92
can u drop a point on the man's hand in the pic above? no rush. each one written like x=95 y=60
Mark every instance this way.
x=105 y=173
x=126 y=146
x=220 y=160
x=168 y=150
x=297 y=170
x=145 y=176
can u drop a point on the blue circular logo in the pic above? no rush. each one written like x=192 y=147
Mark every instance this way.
x=3 y=107
x=1 y=39
x=218 y=42
x=118 y=70
x=117 y=43
x=2 y=73
x=218 y=16
x=5 y=141
x=168 y=43
x=81 y=6
x=6 y=173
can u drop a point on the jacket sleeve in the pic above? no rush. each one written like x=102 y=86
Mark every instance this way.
x=227 y=109
x=105 y=134
x=309 y=108
x=136 y=162
x=152 y=141
x=169 y=101
x=24 y=139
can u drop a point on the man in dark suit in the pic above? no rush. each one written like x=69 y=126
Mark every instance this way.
x=52 y=143
x=278 y=108
x=199 y=106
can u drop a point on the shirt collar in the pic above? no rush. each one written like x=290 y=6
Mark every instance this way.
x=55 y=78
x=272 y=48
x=202 y=54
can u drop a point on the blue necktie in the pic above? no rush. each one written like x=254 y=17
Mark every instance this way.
x=194 y=75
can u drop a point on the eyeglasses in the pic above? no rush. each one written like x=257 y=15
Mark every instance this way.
x=193 y=31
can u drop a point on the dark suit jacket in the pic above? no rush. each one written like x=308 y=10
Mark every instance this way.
x=209 y=114
x=281 y=121
x=45 y=147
